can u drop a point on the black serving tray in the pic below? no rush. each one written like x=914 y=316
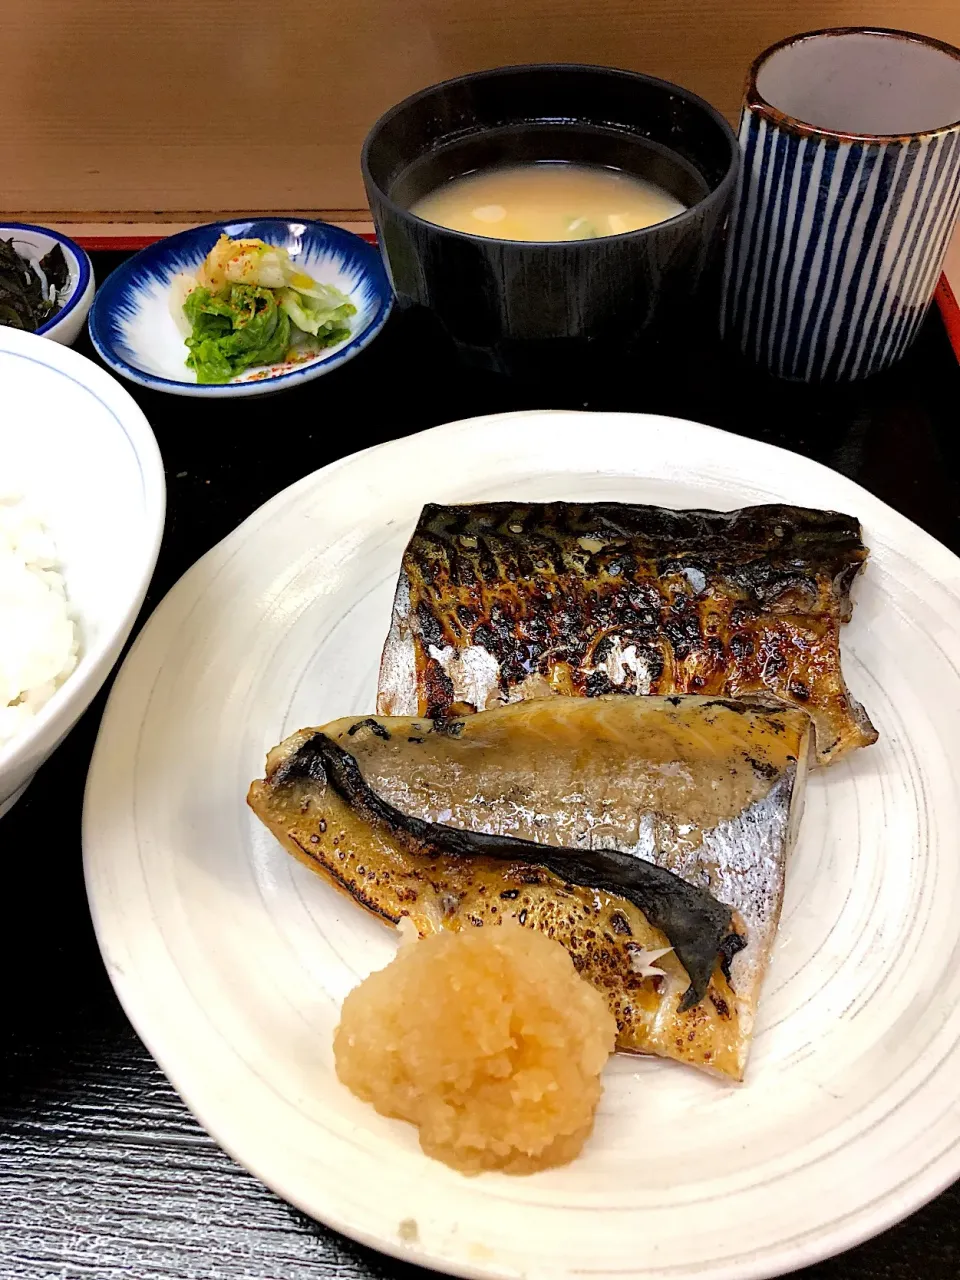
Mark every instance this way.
x=103 y=1172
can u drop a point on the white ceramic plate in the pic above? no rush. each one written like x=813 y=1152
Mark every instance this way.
x=232 y=960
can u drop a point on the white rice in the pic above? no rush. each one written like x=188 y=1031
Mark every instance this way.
x=39 y=641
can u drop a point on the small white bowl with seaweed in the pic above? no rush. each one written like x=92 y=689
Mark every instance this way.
x=241 y=308
x=46 y=282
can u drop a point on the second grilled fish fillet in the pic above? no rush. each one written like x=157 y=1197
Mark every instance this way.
x=501 y=601
x=706 y=789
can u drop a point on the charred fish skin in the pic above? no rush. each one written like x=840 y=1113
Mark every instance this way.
x=500 y=601
x=709 y=789
x=698 y=927
x=435 y=771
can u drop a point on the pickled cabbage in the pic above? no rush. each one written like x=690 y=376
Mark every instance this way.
x=250 y=305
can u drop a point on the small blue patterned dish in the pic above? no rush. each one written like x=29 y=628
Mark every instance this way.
x=133 y=328
x=33 y=243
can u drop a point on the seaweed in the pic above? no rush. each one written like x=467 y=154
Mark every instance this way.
x=54 y=267
x=26 y=301
x=699 y=928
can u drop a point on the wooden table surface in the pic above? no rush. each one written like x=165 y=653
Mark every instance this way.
x=104 y=1174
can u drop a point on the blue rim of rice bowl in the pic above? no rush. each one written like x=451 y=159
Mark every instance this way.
x=184 y=251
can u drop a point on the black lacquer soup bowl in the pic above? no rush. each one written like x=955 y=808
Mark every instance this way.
x=529 y=307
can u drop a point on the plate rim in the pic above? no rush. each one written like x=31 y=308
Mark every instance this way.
x=778 y=1260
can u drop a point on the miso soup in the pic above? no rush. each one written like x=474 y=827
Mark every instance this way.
x=547 y=201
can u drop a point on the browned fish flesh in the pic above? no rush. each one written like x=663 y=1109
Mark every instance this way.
x=648 y=835
x=498 y=602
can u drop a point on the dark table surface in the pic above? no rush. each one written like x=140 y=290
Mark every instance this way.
x=103 y=1172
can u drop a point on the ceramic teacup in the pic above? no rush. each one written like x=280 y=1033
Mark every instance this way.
x=846 y=201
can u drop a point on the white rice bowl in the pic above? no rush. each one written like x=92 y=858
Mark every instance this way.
x=81 y=514
x=39 y=639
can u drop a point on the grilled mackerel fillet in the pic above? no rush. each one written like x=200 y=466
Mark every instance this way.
x=498 y=602
x=620 y=826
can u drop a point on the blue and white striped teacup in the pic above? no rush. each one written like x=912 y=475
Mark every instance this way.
x=847 y=197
